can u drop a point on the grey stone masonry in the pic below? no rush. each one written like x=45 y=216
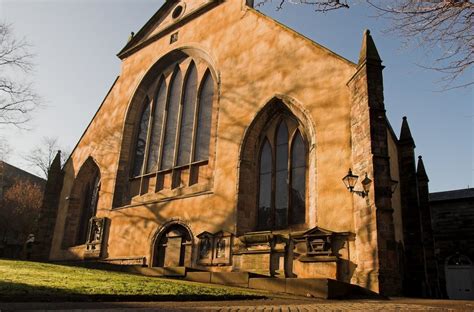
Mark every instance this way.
x=374 y=214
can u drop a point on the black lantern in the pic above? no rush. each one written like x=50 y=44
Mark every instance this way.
x=350 y=181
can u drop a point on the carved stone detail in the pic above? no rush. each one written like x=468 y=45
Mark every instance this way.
x=317 y=245
x=95 y=237
x=215 y=249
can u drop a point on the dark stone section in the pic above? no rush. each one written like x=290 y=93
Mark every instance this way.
x=452 y=215
x=431 y=271
x=414 y=283
x=370 y=154
x=49 y=209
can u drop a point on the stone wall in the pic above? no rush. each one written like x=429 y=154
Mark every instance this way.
x=255 y=62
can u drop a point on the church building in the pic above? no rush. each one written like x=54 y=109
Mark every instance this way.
x=231 y=143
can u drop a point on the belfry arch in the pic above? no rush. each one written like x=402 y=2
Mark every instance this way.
x=276 y=110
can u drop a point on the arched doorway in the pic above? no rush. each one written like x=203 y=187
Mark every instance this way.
x=459 y=272
x=173 y=246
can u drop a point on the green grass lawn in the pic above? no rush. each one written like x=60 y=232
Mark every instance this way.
x=34 y=281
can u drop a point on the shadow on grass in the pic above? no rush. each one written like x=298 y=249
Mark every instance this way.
x=18 y=292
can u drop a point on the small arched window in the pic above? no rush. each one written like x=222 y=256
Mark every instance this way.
x=174 y=130
x=282 y=183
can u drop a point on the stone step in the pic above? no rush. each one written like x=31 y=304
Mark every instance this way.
x=238 y=279
x=323 y=288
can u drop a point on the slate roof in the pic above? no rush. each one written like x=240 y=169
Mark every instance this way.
x=452 y=195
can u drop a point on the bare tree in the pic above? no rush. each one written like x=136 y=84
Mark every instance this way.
x=41 y=157
x=17 y=97
x=435 y=25
x=19 y=209
x=318 y=5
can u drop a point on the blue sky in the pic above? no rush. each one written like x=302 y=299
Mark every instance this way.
x=76 y=41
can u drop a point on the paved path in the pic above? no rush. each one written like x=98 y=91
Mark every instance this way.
x=273 y=305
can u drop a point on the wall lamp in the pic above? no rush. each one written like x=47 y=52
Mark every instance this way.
x=350 y=181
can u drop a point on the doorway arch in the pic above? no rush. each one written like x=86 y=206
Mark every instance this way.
x=172 y=246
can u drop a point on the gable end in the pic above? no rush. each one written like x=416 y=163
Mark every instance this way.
x=140 y=40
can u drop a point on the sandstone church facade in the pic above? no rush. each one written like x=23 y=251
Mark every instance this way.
x=222 y=146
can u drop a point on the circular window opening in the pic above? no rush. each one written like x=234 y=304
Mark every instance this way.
x=177 y=11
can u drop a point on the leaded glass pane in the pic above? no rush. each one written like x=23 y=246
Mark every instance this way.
x=298 y=180
x=187 y=117
x=160 y=103
x=281 y=177
x=95 y=196
x=203 y=135
x=171 y=122
x=265 y=187
x=141 y=139
x=89 y=208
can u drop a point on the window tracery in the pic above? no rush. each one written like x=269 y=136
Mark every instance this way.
x=282 y=176
x=174 y=131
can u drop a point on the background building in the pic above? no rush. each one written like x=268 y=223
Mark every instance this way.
x=453 y=228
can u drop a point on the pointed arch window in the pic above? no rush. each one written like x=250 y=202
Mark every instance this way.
x=187 y=117
x=265 y=186
x=282 y=182
x=298 y=180
x=89 y=209
x=203 y=134
x=167 y=158
x=156 y=130
x=141 y=138
x=174 y=130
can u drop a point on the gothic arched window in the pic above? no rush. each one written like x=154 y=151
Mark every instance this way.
x=156 y=130
x=282 y=182
x=89 y=209
x=141 y=138
x=169 y=143
x=174 y=130
x=204 y=118
x=187 y=117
